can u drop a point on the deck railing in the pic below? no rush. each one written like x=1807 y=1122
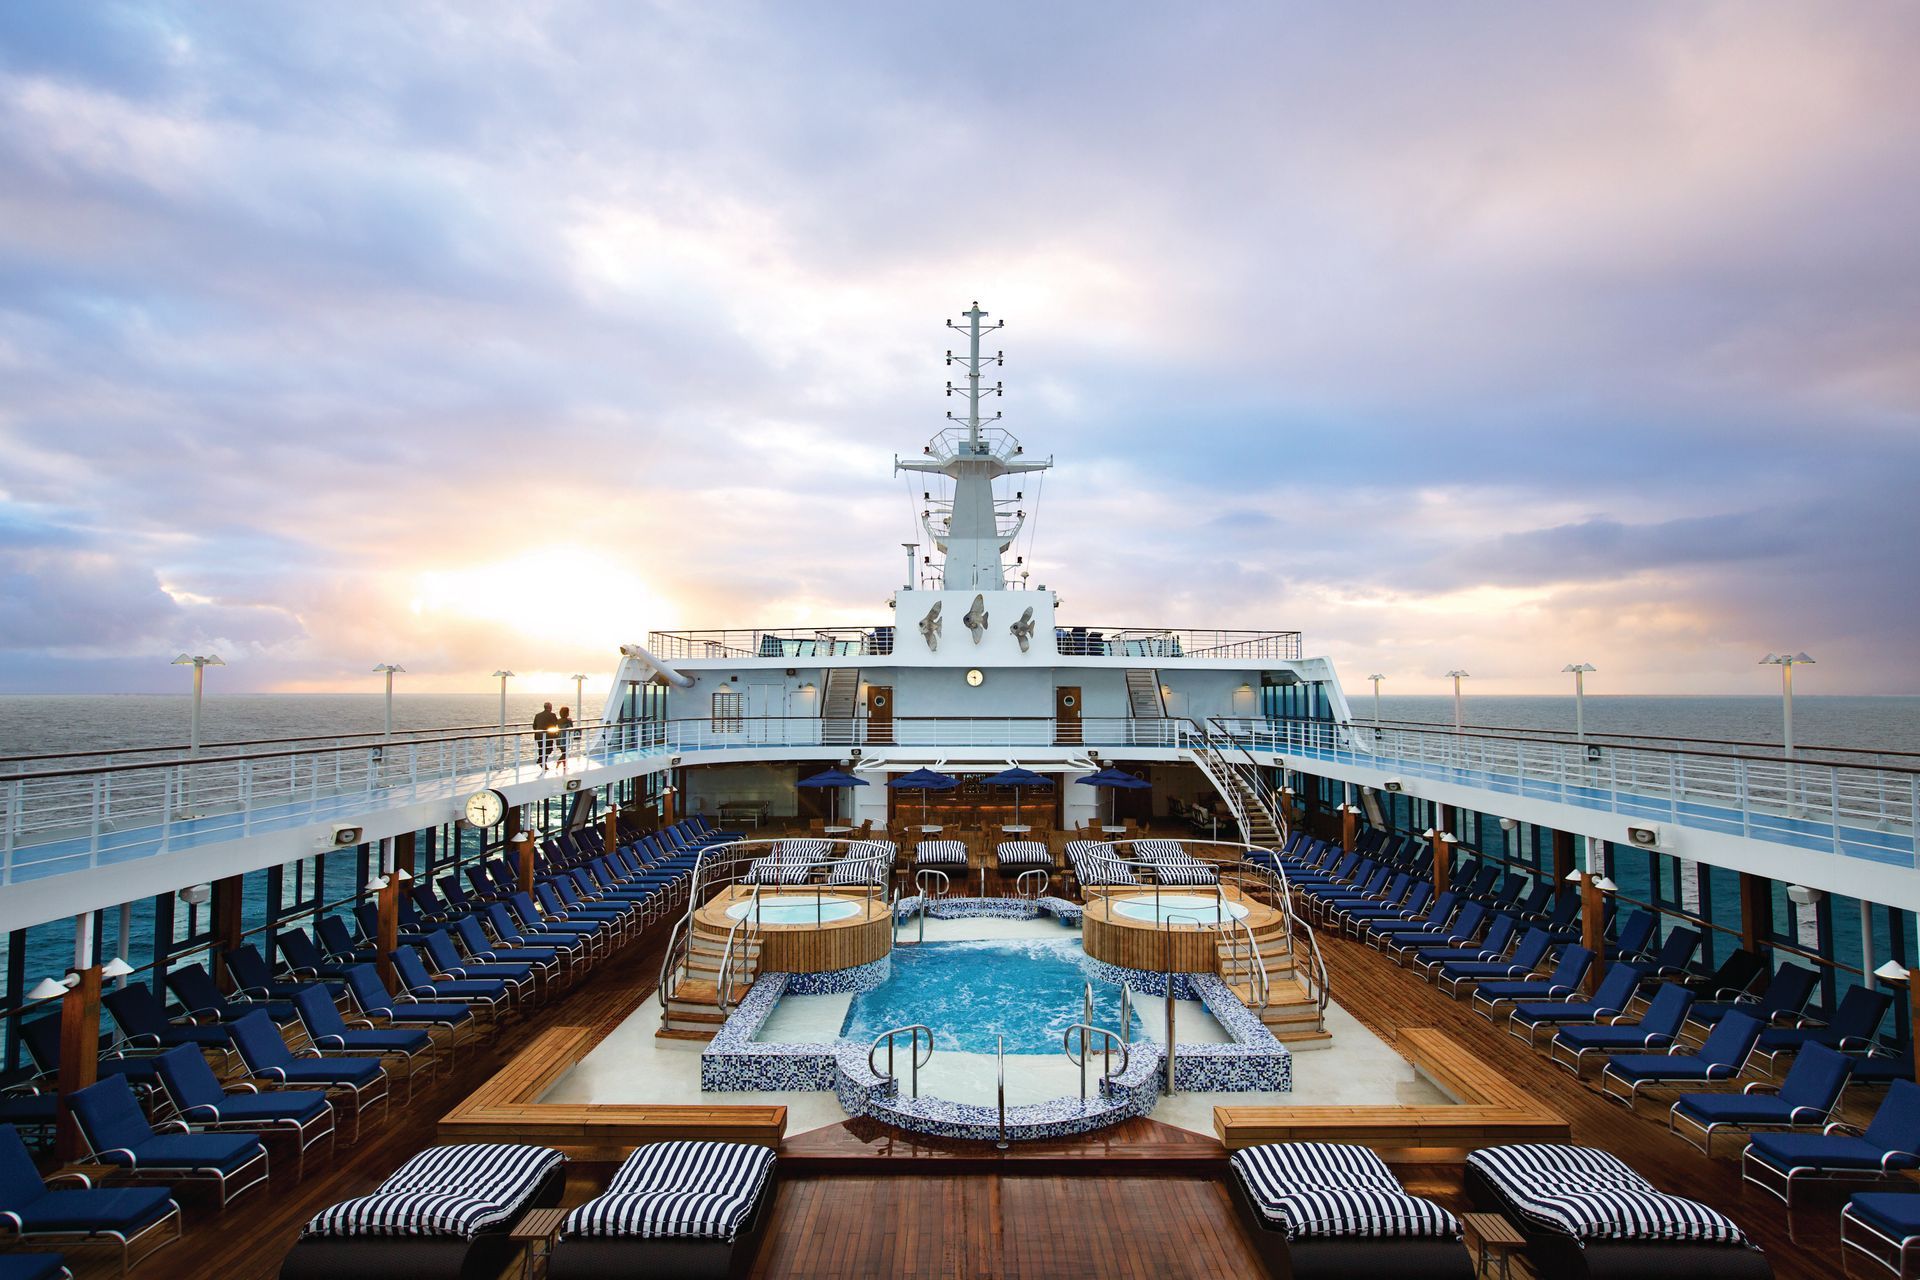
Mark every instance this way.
x=1862 y=810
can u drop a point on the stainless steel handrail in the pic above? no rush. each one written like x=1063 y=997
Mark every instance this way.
x=920 y=882
x=914 y=1060
x=723 y=986
x=1109 y=1039
x=1020 y=883
x=1166 y=928
x=1002 y=1055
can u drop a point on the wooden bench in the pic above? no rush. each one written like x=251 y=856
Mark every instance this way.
x=1488 y=1110
x=507 y=1109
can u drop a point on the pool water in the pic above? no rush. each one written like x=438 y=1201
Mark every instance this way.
x=970 y=993
x=796 y=909
x=1181 y=908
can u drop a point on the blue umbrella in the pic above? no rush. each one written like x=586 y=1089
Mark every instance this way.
x=923 y=781
x=834 y=778
x=1113 y=780
x=1017 y=778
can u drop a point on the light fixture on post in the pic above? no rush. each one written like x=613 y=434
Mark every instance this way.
x=1376 y=700
x=1456 y=677
x=199 y=662
x=48 y=989
x=1899 y=975
x=115 y=968
x=390 y=669
x=1579 y=670
x=502 y=675
x=1786 y=662
x=579 y=695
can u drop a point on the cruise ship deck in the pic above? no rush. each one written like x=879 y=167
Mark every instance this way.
x=977 y=941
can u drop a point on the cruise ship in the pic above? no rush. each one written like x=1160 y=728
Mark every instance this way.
x=976 y=938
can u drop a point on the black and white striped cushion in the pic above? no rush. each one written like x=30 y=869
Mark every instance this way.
x=697 y=1190
x=1088 y=848
x=857 y=871
x=800 y=850
x=1023 y=853
x=929 y=853
x=444 y=1191
x=778 y=871
x=1592 y=1195
x=1160 y=851
x=1193 y=872
x=1329 y=1189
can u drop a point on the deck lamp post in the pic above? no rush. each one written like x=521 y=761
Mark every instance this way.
x=502 y=675
x=579 y=695
x=199 y=662
x=1456 y=677
x=1593 y=888
x=1579 y=670
x=390 y=670
x=1786 y=662
x=1376 y=700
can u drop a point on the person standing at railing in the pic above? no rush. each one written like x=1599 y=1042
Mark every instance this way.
x=565 y=732
x=545 y=728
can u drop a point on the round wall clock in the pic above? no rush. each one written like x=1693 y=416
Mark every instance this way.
x=485 y=808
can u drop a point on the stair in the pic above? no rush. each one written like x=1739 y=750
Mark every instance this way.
x=1291 y=1013
x=1259 y=825
x=839 y=705
x=1143 y=696
x=693 y=1012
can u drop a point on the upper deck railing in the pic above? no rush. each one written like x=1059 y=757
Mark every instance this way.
x=77 y=814
x=1155 y=643
x=1856 y=803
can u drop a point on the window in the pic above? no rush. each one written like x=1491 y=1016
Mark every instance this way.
x=728 y=712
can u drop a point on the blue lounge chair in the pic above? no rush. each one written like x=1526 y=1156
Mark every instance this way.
x=1885 y=1148
x=42 y=1038
x=267 y=1057
x=255 y=979
x=550 y=962
x=373 y=1000
x=143 y=1218
x=1674 y=953
x=1656 y=1028
x=331 y=1034
x=1528 y=956
x=202 y=1104
x=492 y=996
x=1722 y=1057
x=144 y=1020
x=1499 y=937
x=34 y=1266
x=1884 y=1225
x=194 y=987
x=1610 y=999
x=1786 y=995
x=1804 y=1100
x=340 y=944
x=1561 y=984
x=1851 y=1031
x=447 y=960
x=304 y=959
x=117 y=1132
x=1632 y=938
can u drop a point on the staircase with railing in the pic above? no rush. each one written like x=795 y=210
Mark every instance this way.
x=1236 y=776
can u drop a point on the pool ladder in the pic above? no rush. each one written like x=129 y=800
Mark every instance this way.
x=922 y=878
x=1087 y=1031
x=914 y=1059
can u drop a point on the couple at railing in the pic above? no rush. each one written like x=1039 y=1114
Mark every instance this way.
x=553 y=734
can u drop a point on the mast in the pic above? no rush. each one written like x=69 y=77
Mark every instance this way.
x=967 y=530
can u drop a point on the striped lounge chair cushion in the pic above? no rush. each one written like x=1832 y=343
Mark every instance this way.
x=1023 y=853
x=1161 y=851
x=685 y=1190
x=857 y=870
x=933 y=853
x=800 y=850
x=1085 y=848
x=1591 y=1195
x=1193 y=871
x=778 y=871
x=444 y=1191
x=1317 y=1189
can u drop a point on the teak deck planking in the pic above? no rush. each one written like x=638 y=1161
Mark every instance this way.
x=917 y=1207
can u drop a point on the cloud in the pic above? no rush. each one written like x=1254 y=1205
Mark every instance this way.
x=1448 y=338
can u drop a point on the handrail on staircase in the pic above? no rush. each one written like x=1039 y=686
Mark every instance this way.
x=723 y=984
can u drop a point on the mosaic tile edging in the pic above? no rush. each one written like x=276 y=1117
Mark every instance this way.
x=828 y=982
x=1254 y=1062
x=990 y=908
x=734 y=1062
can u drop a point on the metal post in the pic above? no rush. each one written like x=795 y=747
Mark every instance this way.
x=193 y=733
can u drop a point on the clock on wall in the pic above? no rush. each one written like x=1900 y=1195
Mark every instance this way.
x=976 y=677
x=485 y=808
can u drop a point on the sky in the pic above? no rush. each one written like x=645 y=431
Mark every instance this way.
x=1482 y=336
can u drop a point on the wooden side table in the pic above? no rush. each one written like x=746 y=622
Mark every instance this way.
x=536 y=1231
x=1496 y=1235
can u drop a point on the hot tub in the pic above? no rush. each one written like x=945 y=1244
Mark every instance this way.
x=796 y=908
x=1175 y=908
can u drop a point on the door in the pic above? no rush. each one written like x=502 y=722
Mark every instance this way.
x=879 y=713
x=1066 y=713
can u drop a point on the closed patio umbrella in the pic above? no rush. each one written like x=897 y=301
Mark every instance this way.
x=1017 y=778
x=1113 y=780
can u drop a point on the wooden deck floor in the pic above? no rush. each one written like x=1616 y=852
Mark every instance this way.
x=1140 y=1200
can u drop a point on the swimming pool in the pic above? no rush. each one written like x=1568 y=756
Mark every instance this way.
x=971 y=993
x=796 y=908
x=1180 y=908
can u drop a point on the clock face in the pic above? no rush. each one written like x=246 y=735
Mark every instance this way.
x=975 y=677
x=485 y=808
